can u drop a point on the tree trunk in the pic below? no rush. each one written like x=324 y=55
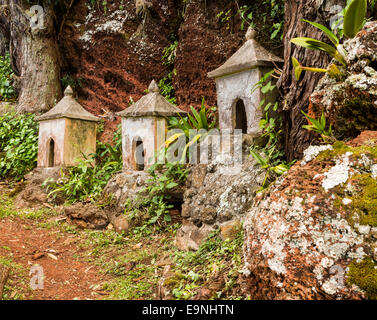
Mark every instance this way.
x=4 y=28
x=35 y=58
x=4 y=274
x=296 y=93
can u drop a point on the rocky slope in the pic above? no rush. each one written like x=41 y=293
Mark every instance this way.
x=111 y=53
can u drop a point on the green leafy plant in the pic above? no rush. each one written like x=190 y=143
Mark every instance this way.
x=166 y=83
x=163 y=178
x=7 y=91
x=354 y=18
x=271 y=124
x=18 y=144
x=205 y=120
x=271 y=127
x=169 y=54
x=319 y=126
x=266 y=16
x=265 y=163
x=166 y=87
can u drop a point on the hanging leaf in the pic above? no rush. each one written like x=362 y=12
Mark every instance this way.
x=354 y=18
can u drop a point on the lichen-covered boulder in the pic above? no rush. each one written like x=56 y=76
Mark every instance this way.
x=350 y=103
x=313 y=234
x=214 y=195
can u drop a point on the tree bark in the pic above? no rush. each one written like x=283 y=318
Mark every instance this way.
x=4 y=274
x=296 y=93
x=4 y=28
x=35 y=58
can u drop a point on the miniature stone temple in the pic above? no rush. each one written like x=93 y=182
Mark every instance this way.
x=238 y=102
x=66 y=132
x=144 y=127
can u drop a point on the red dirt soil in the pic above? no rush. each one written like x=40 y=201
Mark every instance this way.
x=65 y=278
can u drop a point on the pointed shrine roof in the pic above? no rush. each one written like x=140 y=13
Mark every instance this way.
x=68 y=107
x=152 y=104
x=250 y=55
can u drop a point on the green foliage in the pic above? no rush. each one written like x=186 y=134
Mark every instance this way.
x=364 y=275
x=67 y=80
x=271 y=126
x=319 y=126
x=204 y=119
x=18 y=144
x=104 y=3
x=354 y=19
x=166 y=83
x=7 y=91
x=87 y=180
x=266 y=16
x=166 y=87
x=193 y=270
x=157 y=204
x=276 y=14
x=169 y=54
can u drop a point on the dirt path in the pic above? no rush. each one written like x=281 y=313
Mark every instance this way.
x=66 y=275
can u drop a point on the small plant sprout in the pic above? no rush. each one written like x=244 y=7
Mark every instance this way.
x=319 y=126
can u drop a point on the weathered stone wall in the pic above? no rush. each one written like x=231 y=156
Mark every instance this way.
x=48 y=129
x=79 y=141
x=215 y=198
x=233 y=88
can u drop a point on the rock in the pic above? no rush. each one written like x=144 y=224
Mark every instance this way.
x=164 y=284
x=230 y=229
x=38 y=255
x=120 y=223
x=33 y=196
x=87 y=216
x=39 y=175
x=128 y=189
x=302 y=241
x=190 y=237
x=350 y=103
x=214 y=196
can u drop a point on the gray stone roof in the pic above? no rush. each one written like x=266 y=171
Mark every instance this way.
x=152 y=104
x=249 y=56
x=68 y=107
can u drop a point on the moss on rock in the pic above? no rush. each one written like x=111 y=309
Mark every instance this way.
x=364 y=275
x=364 y=203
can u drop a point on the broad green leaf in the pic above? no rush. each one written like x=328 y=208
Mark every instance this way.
x=258 y=158
x=171 y=185
x=354 y=17
x=311 y=43
x=333 y=38
x=197 y=117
